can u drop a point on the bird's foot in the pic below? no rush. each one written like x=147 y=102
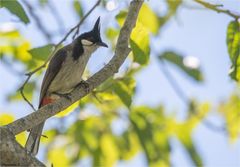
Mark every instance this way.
x=86 y=86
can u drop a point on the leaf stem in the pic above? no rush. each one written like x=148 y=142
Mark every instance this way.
x=216 y=8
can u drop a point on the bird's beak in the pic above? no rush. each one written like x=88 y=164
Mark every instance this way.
x=102 y=44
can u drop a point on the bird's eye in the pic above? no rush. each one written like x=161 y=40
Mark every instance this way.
x=86 y=42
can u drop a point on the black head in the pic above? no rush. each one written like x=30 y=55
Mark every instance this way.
x=93 y=37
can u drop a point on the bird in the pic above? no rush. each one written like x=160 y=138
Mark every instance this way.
x=63 y=74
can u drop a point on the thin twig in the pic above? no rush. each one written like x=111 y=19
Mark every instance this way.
x=179 y=92
x=184 y=98
x=216 y=8
x=86 y=15
x=40 y=26
x=23 y=95
x=213 y=127
x=55 y=48
x=121 y=53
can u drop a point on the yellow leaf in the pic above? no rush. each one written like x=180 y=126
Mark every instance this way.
x=106 y=96
x=160 y=163
x=11 y=34
x=149 y=19
x=109 y=150
x=50 y=135
x=58 y=157
x=121 y=17
x=13 y=44
x=134 y=147
x=21 y=138
x=6 y=119
x=22 y=52
x=231 y=112
x=68 y=110
x=6 y=49
x=140 y=44
x=200 y=112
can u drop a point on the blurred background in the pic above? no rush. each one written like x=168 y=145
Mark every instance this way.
x=173 y=102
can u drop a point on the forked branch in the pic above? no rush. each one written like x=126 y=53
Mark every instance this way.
x=107 y=71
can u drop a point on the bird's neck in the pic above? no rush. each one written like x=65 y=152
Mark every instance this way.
x=77 y=49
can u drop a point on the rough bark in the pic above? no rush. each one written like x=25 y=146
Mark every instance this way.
x=11 y=152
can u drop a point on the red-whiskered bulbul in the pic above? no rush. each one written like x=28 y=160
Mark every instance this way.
x=63 y=74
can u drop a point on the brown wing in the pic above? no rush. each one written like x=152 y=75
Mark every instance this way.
x=52 y=70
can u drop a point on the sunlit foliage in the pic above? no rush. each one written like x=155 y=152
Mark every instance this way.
x=144 y=129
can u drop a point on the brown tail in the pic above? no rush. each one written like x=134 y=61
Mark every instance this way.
x=33 y=140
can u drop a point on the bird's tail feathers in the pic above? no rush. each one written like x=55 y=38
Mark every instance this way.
x=33 y=141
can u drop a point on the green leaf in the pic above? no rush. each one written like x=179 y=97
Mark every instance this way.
x=148 y=18
x=187 y=142
x=233 y=43
x=42 y=3
x=109 y=151
x=151 y=134
x=178 y=60
x=173 y=6
x=140 y=45
x=112 y=33
x=230 y=111
x=78 y=8
x=28 y=92
x=172 y=10
x=120 y=17
x=41 y=53
x=15 y=8
x=128 y=145
x=139 y=40
x=123 y=93
x=130 y=83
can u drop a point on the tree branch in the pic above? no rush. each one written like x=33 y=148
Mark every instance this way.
x=216 y=8
x=29 y=74
x=12 y=153
x=174 y=84
x=107 y=71
x=86 y=15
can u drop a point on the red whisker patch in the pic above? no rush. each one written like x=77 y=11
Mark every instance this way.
x=47 y=100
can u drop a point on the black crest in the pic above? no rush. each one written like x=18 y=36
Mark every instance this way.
x=93 y=36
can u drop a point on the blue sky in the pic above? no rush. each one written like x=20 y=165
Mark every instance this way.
x=200 y=33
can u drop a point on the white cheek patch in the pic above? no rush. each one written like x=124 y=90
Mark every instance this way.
x=86 y=42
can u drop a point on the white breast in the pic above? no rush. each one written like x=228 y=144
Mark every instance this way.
x=70 y=74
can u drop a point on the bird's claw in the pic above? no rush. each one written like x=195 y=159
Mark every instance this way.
x=86 y=86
